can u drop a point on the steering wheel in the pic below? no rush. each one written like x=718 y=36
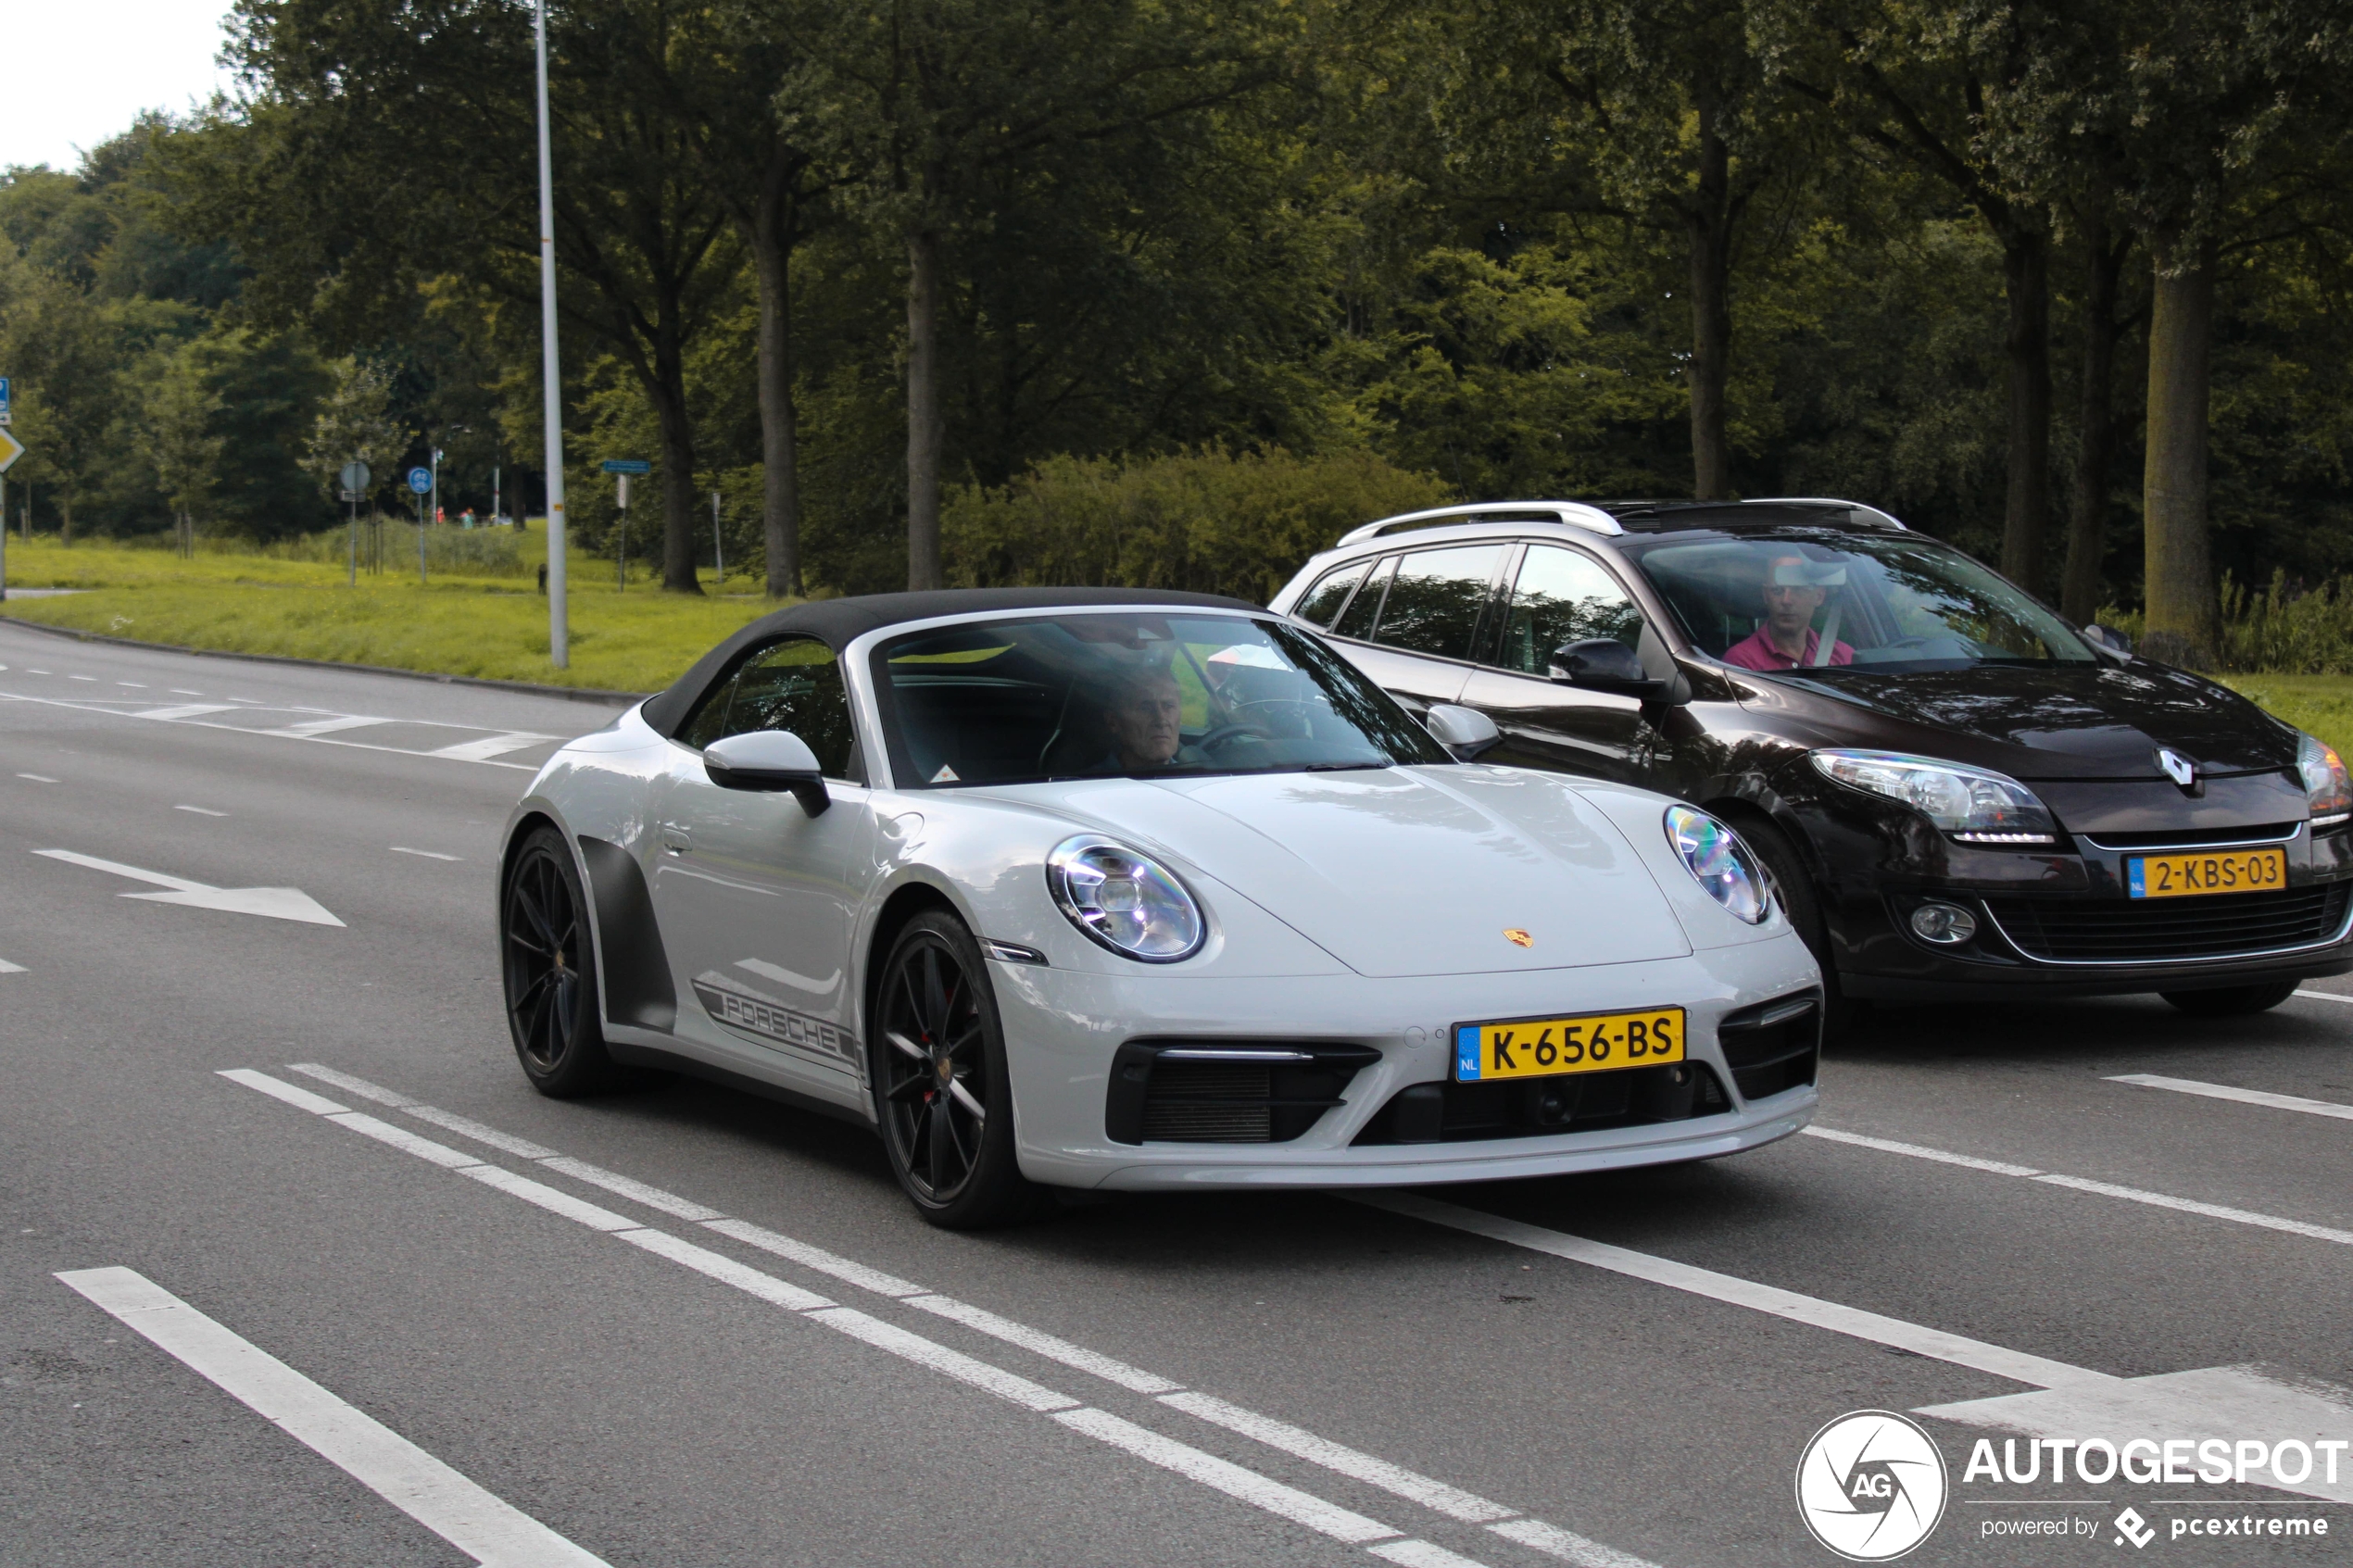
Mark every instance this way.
x=1225 y=732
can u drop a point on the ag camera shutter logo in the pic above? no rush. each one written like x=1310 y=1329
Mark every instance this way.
x=1871 y=1485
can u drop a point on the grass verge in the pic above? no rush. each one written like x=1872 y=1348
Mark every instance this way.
x=490 y=627
x=2320 y=705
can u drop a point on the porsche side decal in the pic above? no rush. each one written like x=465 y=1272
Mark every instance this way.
x=740 y=1007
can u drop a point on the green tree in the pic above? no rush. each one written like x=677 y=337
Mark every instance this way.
x=175 y=434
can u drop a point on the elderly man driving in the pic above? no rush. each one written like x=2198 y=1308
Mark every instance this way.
x=1795 y=588
x=1144 y=717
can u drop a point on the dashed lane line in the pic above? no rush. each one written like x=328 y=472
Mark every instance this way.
x=2084 y=1184
x=425 y=854
x=2244 y=1096
x=476 y=1522
x=1238 y=1482
x=201 y=811
x=320 y=732
x=1452 y=1501
x=37 y=778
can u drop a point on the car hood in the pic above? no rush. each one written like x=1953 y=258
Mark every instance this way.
x=2069 y=724
x=1403 y=870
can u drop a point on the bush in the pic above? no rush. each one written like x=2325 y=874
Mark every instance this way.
x=2282 y=630
x=461 y=552
x=1204 y=522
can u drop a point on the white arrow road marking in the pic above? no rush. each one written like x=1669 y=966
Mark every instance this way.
x=184 y=710
x=483 y=1527
x=311 y=728
x=271 y=903
x=484 y=749
x=8 y=968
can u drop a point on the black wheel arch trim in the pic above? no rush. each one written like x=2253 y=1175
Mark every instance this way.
x=630 y=956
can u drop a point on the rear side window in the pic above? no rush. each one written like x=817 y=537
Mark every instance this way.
x=1322 y=602
x=1434 y=603
x=1561 y=596
x=794 y=685
x=1358 y=621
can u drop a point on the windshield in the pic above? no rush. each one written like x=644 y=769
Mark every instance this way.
x=1823 y=600
x=1119 y=694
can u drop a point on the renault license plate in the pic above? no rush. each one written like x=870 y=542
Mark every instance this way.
x=2211 y=870
x=1546 y=1047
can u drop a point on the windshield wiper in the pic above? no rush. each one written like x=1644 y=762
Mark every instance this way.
x=1341 y=767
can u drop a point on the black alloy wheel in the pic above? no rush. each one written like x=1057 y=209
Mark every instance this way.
x=549 y=965
x=2232 y=1001
x=938 y=1060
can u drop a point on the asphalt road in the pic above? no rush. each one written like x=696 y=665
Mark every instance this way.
x=1613 y=1371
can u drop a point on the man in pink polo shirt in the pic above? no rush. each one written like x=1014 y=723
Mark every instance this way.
x=1795 y=588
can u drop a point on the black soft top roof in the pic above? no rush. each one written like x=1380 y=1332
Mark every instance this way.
x=840 y=622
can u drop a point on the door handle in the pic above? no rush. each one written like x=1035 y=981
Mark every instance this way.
x=675 y=839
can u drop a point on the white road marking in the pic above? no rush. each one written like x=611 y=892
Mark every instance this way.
x=297 y=733
x=182 y=691
x=2245 y=1097
x=484 y=749
x=200 y=811
x=310 y=729
x=184 y=710
x=474 y=1521
x=1934 y=1343
x=2105 y=1189
x=8 y=968
x=1565 y=1543
x=29 y=671
x=1236 y=1481
x=37 y=778
x=135 y=685
x=2325 y=996
x=425 y=854
x=81 y=678
x=271 y=903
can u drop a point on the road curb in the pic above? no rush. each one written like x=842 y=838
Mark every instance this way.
x=569 y=694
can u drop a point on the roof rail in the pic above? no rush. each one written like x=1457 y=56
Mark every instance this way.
x=1575 y=514
x=1835 y=501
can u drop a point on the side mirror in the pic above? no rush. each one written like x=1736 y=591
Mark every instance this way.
x=1466 y=731
x=1605 y=664
x=2108 y=639
x=769 y=760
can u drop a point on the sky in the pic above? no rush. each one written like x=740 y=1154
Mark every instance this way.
x=80 y=70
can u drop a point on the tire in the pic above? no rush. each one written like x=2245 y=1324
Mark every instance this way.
x=1794 y=890
x=942 y=1096
x=2232 y=1001
x=549 y=965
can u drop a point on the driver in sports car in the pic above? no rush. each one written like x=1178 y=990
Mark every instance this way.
x=1143 y=716
x=1795 y=588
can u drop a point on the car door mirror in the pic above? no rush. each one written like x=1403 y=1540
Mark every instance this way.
x=770 y=760
x=1605 y=664
x=1466 y=731
x=2109 y=640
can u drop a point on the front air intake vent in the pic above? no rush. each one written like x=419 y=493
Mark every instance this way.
x=1773 y=1046
x=1225 y=1091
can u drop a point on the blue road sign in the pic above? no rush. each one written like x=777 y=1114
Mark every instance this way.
x=628 y=465
x=421 y=480
x=4 y=392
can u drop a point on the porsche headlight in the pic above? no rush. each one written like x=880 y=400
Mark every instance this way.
x=1125 y=901
x=2325 y=783
x=1720 y=863
x=1975 y=805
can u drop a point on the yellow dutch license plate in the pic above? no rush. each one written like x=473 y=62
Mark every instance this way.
x=2212 y=871
x=1546 y=1047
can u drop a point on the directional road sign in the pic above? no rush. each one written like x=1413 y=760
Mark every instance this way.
x=421 y=480
x=7 y=392
x=355 y=476
x=10 y=450
x=628 y=465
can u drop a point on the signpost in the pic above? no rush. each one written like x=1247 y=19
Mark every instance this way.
x=355 y=477
x=10 y=450
x=551 y=384
x=622 y=467
x=421 y=485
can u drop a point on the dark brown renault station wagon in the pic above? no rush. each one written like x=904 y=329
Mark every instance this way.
x=1956 y=794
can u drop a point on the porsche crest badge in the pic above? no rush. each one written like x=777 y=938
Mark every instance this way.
x=1517 y=938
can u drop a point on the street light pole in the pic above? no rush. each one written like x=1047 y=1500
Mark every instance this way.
x=552 y=377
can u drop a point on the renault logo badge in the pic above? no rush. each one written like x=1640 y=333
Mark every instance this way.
x=1517 y=938
x=2178 y=767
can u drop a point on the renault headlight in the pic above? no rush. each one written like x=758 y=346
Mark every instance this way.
x=2325 y=783
x=1719 y=861
x=1975 y=805
x=1125 y=901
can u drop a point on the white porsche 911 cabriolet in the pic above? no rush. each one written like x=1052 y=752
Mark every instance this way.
x=1123 y=889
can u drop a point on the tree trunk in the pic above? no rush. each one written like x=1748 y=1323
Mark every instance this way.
x=1710 y=227
x=2096 y=425
x=678 y=493
x=924 y=421
x=2026 y=281
x=65 y=514
x=773 y=235
x=2183 y=617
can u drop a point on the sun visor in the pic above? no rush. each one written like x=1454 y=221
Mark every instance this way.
x=1809 y=574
